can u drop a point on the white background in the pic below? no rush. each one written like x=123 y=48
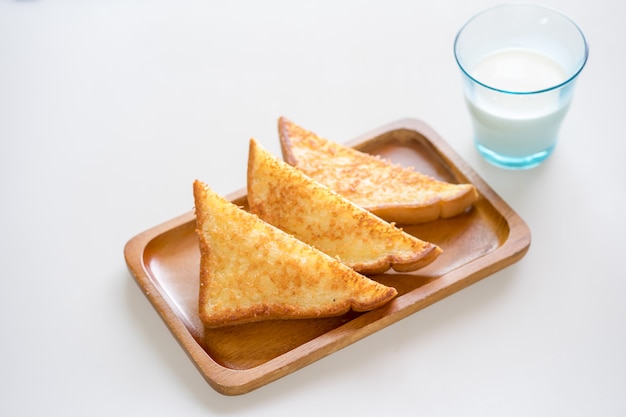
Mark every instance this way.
x=110 y=109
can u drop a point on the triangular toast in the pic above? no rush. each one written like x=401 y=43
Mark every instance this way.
x=395 y=193
x=251 y=271
x=288 y=199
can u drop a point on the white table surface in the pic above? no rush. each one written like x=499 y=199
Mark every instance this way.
x=109 y=110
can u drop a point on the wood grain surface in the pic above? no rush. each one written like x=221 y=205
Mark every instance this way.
x=234 y=360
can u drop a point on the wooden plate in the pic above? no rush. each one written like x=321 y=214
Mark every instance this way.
x=164 y=261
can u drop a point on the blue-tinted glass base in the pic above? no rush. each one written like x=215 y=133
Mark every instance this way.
x=513 y=162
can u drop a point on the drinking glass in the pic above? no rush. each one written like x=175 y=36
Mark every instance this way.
x=519 y=66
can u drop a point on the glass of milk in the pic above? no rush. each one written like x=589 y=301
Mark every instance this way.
x=519 y=64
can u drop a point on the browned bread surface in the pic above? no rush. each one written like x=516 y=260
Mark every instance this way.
x=251 y=271
x=395 y=193
x=288 y=199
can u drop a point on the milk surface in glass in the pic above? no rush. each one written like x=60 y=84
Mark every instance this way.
x=514 y=118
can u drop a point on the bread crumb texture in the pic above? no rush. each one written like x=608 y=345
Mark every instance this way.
x=290 y=200
x=368 y=180
x=250 y=270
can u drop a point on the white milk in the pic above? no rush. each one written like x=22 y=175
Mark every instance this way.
x=509 y=123
x=519 y=70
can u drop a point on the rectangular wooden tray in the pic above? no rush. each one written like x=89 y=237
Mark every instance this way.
x=164 y=261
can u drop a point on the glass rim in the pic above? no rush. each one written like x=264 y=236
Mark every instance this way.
x=533 y=6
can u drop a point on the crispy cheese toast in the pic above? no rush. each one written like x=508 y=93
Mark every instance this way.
x=252 y=271
x=395 y=193
x=290 y=200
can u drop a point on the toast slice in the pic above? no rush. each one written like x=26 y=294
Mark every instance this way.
x=395 y=193
x=288 y=199
x=251 y=271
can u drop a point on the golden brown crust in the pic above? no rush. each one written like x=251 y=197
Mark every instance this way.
x=395 y=193
x=285 y=197
x=252 y=271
